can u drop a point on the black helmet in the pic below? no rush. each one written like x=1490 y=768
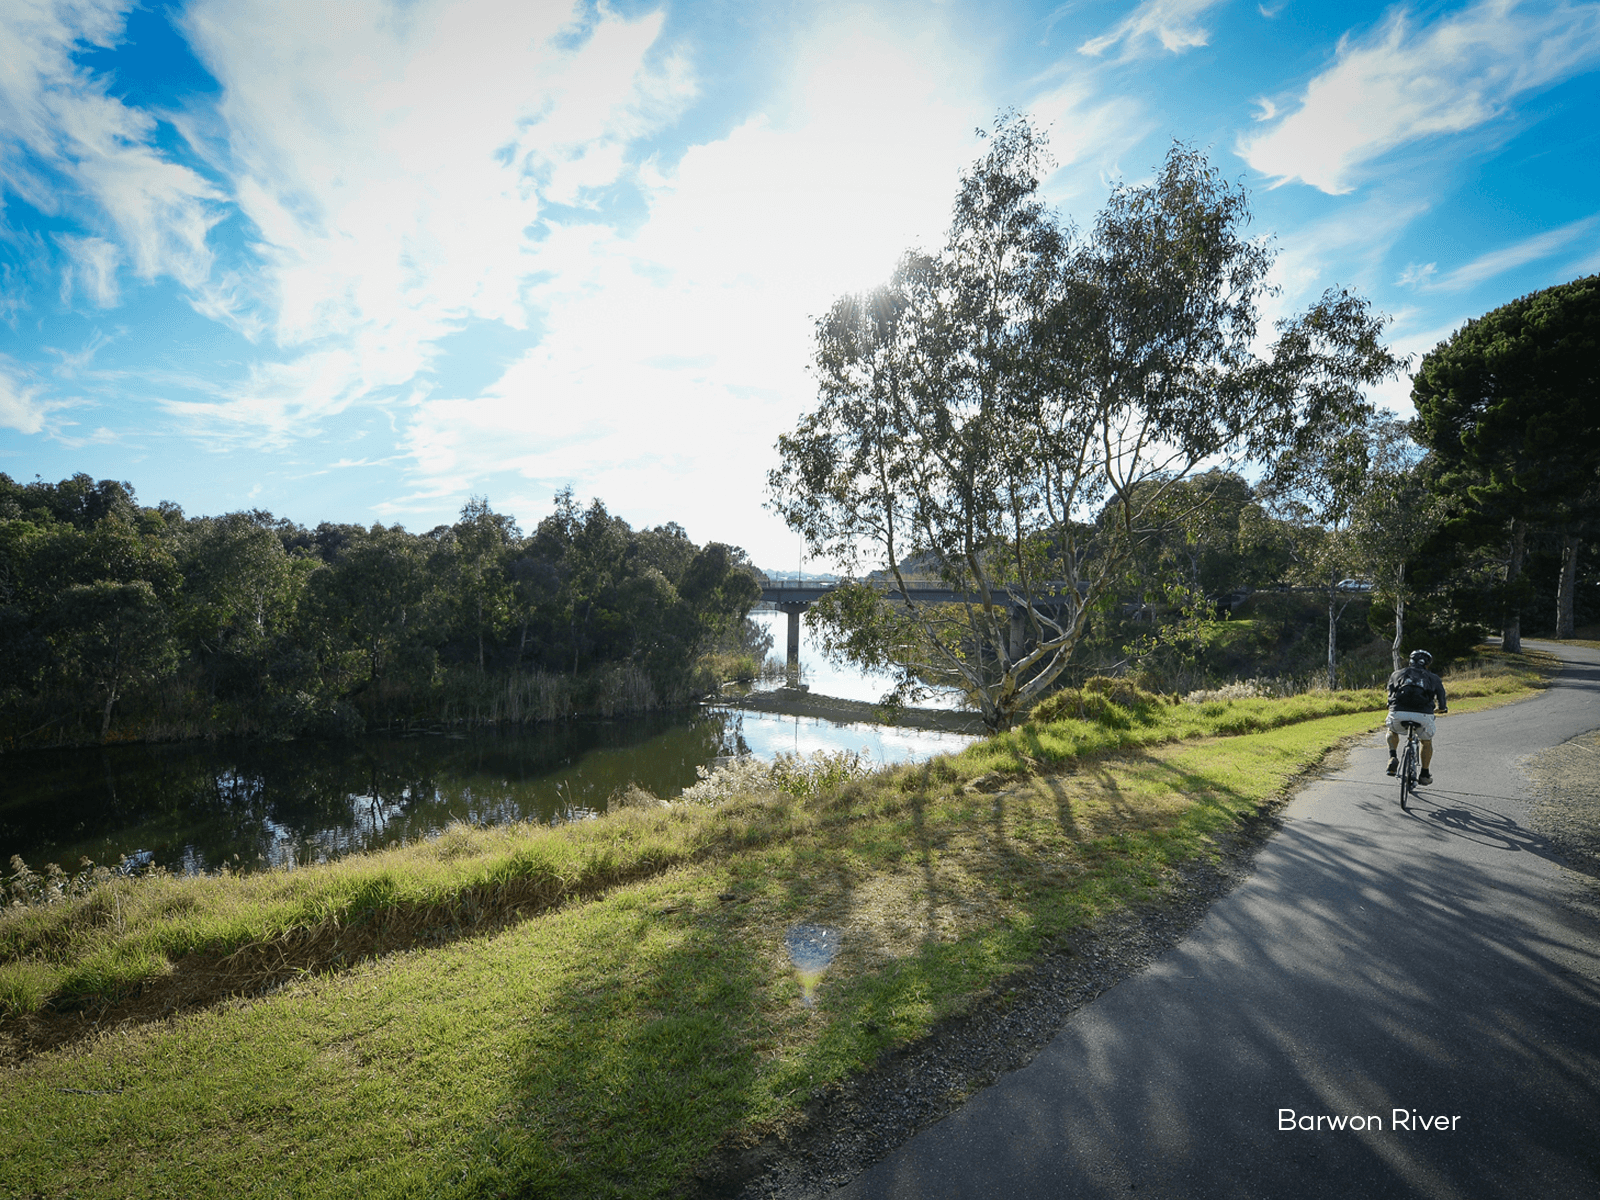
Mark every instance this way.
x=1420 y=658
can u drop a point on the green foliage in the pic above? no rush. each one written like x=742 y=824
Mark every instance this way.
x=1510 y=403
x=1509 y=407
x=118 y=621
x=1114 y=703
x=1013 y=413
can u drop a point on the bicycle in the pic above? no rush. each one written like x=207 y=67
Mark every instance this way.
x=1410 y=762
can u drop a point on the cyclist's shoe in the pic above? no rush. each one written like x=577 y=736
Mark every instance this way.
x=1424 y=779
x=1394 y=765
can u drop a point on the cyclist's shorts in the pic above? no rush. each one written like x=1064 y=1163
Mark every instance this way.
x=1423 y=719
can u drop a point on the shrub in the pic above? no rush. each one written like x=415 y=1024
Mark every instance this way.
x=1101 y=700
x=801 y=775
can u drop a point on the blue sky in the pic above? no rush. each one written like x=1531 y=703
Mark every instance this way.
x=359 y=261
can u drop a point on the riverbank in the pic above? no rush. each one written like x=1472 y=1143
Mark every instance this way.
x=618 y=1007
x=796 y=703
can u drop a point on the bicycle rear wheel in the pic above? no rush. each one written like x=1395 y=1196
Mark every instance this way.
x=1408 y=770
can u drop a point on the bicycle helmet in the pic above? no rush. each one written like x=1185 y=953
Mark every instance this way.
x=1420 y=658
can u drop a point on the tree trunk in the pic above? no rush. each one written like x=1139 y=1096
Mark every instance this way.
x=105 y=719
x=1568 y=587
x=1333 y=630
x=1396 y=651
x=1511 y=637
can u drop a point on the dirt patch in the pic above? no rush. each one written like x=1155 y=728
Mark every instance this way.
x=1567 y=811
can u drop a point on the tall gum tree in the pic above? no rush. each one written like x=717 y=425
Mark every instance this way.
x=1009 y=414
x=1393 y=518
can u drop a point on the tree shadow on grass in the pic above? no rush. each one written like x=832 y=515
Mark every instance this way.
x=626 y=1079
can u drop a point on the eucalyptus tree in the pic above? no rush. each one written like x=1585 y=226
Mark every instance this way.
x=367 y=602
x=472 y=563
x=1316 y=490
x=1011 y=411
x=239 y=596
x=109 y=637
x=1393 y=518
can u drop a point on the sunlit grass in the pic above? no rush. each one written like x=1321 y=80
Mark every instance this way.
x=644 y=1010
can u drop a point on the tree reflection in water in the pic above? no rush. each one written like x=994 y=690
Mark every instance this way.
x=260 y=804
x=251 y=805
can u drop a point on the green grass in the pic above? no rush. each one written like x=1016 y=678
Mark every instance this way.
x=647 y=1012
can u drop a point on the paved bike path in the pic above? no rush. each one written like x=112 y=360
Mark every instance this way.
x=1440 y=961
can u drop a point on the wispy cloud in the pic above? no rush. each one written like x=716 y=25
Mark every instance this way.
x=1507 y=258
x=69 y=147
x=396 y=169
x=1153 y=27
x=701 y=317
x=1417 y=274
x=91 y=268
x=1406 y=81
x=21 y=407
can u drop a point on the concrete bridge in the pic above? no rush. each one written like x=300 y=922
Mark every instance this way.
x=794 y=596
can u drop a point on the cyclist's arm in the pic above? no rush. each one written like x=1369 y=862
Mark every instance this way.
x=1438 y=690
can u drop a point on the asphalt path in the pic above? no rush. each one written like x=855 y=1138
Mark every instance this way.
x=1439 y=961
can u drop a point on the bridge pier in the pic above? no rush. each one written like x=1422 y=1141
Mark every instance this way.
x=793 y=597
x=794 y=608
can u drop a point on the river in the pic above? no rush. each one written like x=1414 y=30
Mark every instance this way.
x=251 y=805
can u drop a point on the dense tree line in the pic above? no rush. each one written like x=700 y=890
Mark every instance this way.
x=119 y=620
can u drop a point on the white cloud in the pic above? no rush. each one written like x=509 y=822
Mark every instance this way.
x=20 y=406
x=1497 y=262
x=65 y=142
x=679 y=351
x=1087 y=130
x=1155 y=25
x=1349 y=247
x=91 y=267
x=1417 y=274
x=393 y=169
x=1405 y=82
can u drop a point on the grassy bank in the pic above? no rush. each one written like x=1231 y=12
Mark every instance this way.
x=592 y=1010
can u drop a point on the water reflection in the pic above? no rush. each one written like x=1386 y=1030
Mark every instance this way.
x=811 y=949
x=199 y=806
x=769 y=734
x=825 y=678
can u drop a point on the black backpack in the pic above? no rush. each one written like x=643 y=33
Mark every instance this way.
x=1413 y=691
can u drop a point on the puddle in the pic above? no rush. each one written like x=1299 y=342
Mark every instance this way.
x=811 y=948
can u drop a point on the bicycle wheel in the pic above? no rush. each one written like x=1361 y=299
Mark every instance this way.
x=1408 y=770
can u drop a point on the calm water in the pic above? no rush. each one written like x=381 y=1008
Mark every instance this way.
x=829 y=679
x=197 y=806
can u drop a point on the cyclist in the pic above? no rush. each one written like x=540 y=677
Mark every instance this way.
x=1412 y=692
